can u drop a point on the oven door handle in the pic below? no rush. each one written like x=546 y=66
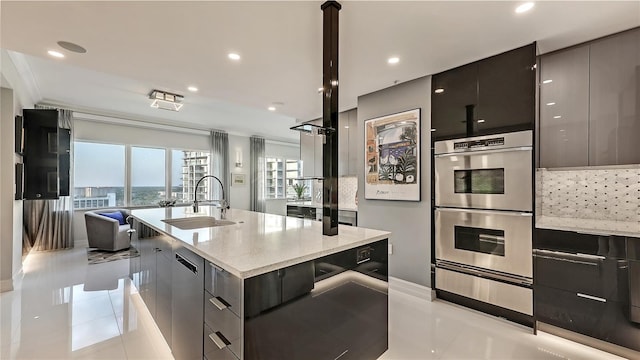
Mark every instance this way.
x=494 y=239
x=483 y=152
x=487 y=212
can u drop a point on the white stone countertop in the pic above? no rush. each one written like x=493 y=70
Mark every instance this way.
x=319 y=205
x=590 y=226
x=258 y=242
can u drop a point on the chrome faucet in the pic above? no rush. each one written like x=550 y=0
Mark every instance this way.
x=224 y=205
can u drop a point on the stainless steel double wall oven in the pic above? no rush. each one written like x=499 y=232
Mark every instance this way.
x=484 y=219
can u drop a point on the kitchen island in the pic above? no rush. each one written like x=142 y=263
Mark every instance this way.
x=261 y=286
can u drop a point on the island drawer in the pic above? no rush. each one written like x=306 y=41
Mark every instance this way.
x=216 y=347
x=219 y=318
x=223 y=285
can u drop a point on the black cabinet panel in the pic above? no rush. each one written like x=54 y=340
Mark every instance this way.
x=64 y=160
x=41 y=154
x=611 y=247
x=506 y=92
x=608 y=321
x=603 y=278
x=454 y=97
x=489 y=96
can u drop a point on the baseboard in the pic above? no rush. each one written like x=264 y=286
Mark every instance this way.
x=6 y=285
x=413 y=289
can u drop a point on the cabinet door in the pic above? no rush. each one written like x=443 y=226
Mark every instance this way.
x=64 y=160
x=41 y=154
x=163 y=293
x=614 y=101
x=353 y=142
x=506 y=92
x=564 y=108
x=148 y=273
x=343 y=143
x=454 y=97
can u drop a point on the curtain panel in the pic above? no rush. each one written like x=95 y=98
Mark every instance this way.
x=48 y=224
x=257 y=161
x=219 y=165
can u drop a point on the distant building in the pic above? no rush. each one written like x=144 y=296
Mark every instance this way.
x=108 y=200
x=195 y=164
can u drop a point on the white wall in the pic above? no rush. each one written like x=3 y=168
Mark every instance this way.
x=409 y=222
x=15 y=95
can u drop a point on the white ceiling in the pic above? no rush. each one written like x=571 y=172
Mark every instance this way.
x=134 y=47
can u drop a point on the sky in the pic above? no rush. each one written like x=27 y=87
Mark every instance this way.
x=103 y=165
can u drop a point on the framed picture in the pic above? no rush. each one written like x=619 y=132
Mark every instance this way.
x=238 y=179
x=392 y=157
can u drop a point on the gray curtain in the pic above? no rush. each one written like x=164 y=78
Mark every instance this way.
x=48 y=224
x=219 y=165
x=257 y=174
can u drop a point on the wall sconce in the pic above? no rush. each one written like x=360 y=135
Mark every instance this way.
x=166 y=101
x=239 y=158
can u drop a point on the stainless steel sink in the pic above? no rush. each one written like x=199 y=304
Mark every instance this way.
x=197 y=222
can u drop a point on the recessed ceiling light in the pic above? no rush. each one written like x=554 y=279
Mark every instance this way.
x=346 y=126
x=55 y=53
x=480 y=121
x=72 y=47
x=432 y=130
x=320 y=89
x=393 y=60
x=557 y=117
x=524 y=7
x=547 y=81
x=551 y=103
x=192 y=88
x=439 y=91
x=271 y=108
x=234 y=56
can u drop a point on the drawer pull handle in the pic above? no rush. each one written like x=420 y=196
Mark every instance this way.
x=592 y=297
x=219 y=303
x=219 y=339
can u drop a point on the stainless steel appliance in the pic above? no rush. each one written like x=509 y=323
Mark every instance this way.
x=497 y=243
x=485 y=172
x=483 y=219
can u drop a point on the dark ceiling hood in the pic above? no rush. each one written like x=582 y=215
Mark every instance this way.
x=312 y=129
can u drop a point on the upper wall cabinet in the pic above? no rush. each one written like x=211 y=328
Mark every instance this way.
x=564 y=108
x=614 y=100
x=590 y=103
x=40 y=154
x=489 y=96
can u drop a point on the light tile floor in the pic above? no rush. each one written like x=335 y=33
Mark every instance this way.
x=63 y=308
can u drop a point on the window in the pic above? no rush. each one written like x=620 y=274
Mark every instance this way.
x=148 y=175
x=100 y=179
x=186 y=169
x=280 y=175
x=99 y=175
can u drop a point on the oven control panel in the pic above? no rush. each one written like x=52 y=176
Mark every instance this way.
x=475 y=144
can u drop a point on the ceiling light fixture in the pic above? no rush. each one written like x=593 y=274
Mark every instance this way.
x=547 y=81
x=524 y=7
x=72 y=47
x=393 y=60
x=551 y=103
x=234 y=56
x=166 y=101
x=557 y=117
x=480 y=121
x=55 y=54
x=439 y=91
x=192 y=88
x=271 y=108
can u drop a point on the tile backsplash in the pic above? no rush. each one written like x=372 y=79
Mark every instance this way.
x=347 y=189
x=602 y=194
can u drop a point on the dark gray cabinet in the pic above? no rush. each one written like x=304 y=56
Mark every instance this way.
x=489 y=96
x=614 y=100
x=187 y=309
x=564 y=108
x=40 y=154
x=590 y=103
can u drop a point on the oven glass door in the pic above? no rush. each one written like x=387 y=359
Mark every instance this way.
x=493 y=240
x=499 y=180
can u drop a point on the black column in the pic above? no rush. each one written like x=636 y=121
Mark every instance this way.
x=330 y=11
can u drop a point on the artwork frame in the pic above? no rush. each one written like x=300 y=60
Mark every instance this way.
x=238 y=179
x=392 y=156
